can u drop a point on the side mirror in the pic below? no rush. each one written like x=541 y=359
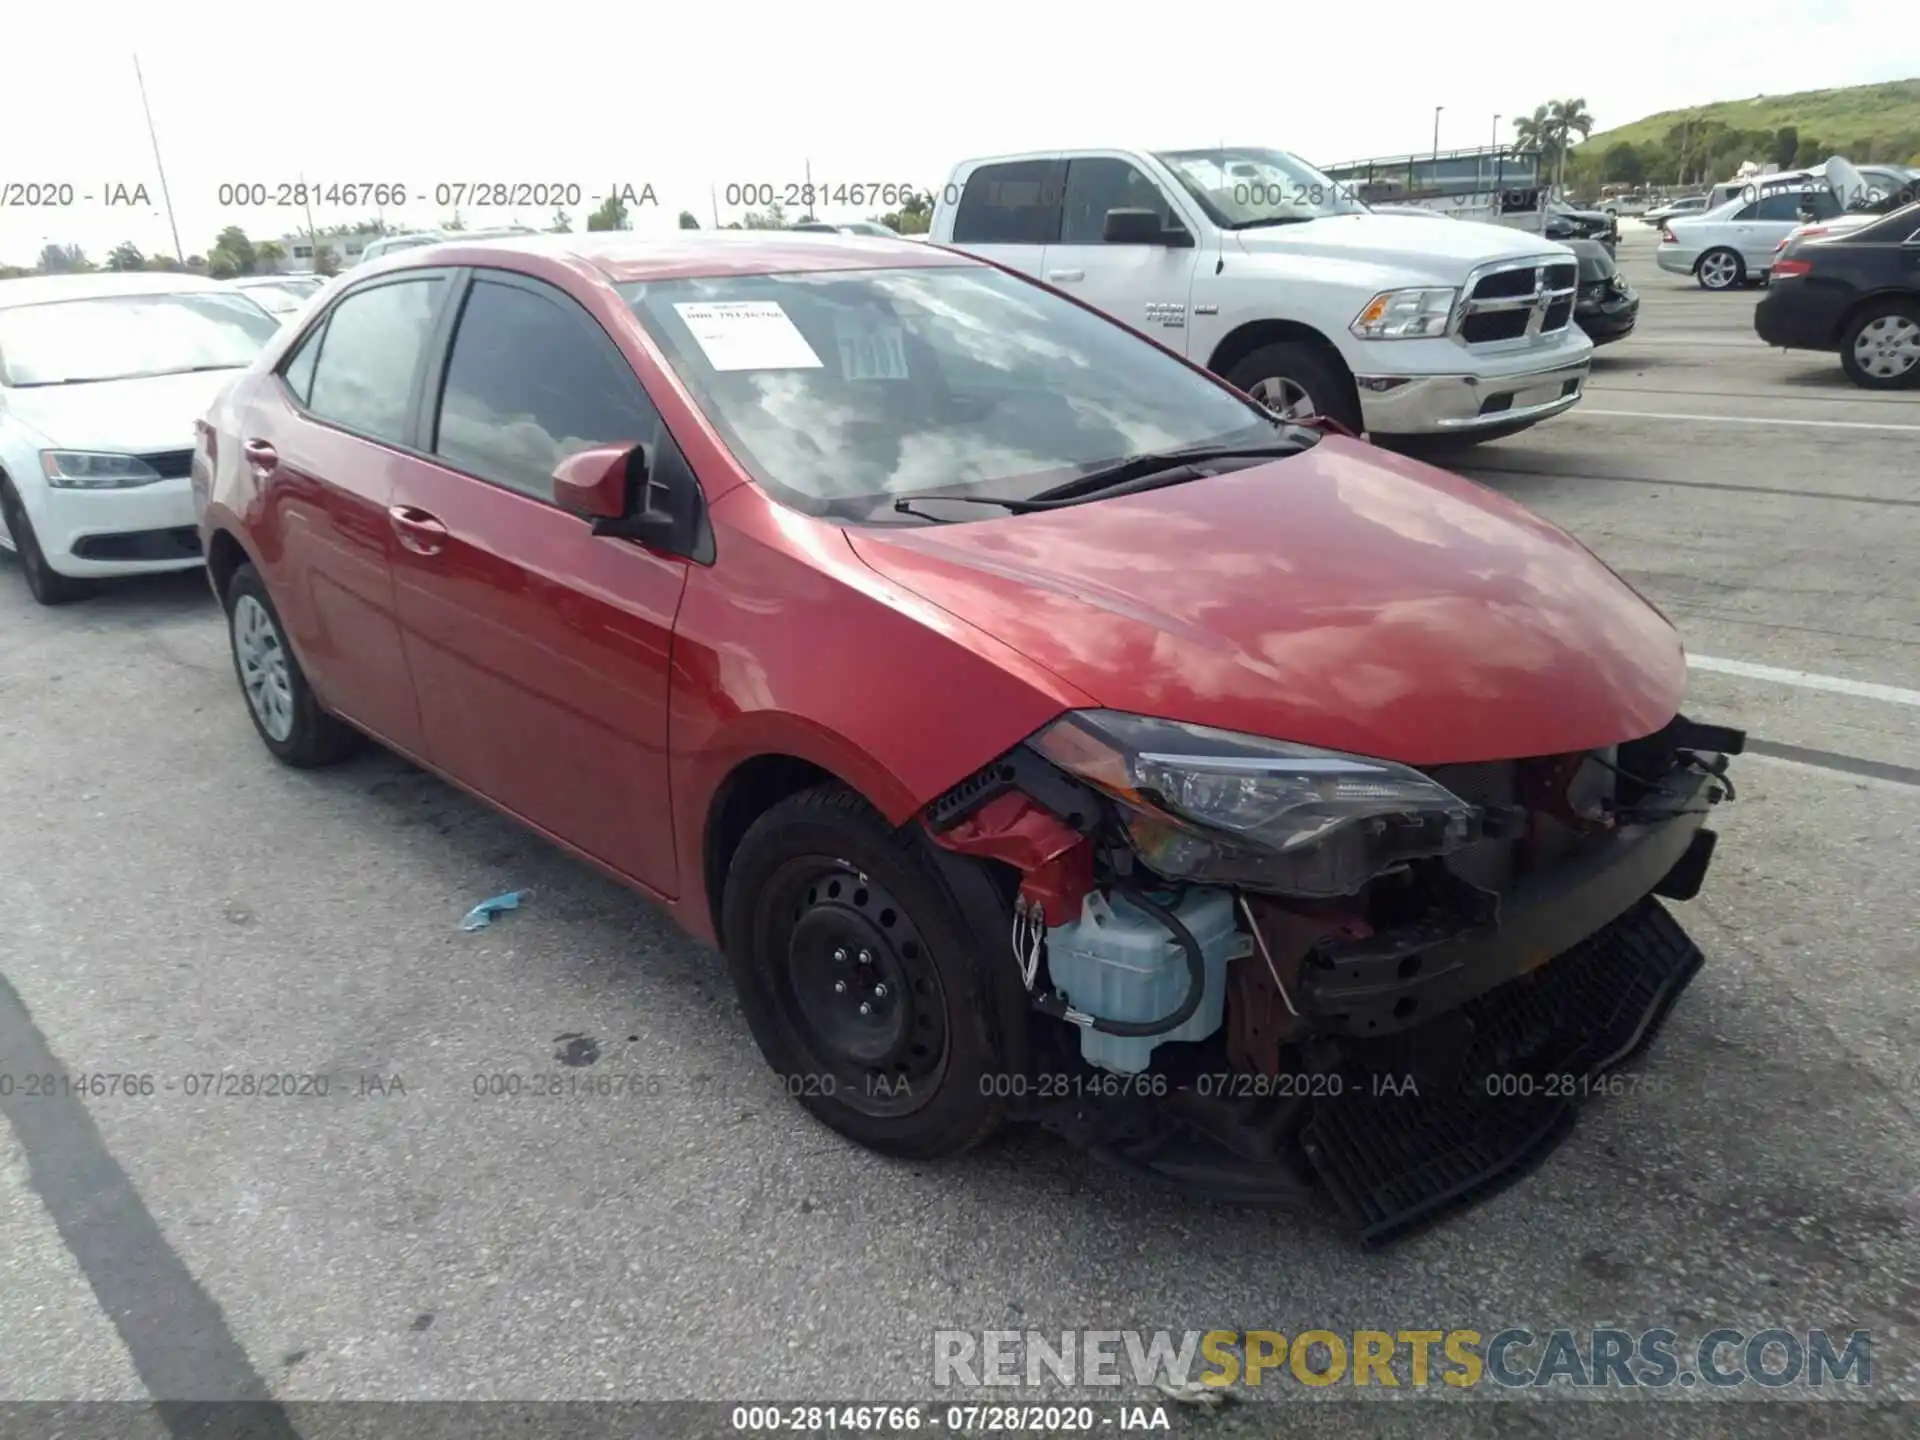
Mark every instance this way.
x=593 y=482
x=1142 y=227
x=646 y=493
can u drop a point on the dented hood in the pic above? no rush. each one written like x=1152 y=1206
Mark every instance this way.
x=1344 y=597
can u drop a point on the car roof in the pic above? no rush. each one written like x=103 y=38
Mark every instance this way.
x=621 y=256
x=45 y=289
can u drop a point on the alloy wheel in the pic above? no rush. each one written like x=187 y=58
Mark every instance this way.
x=1719 y=270
x=263 y=667
x=1286 y=398
x=1888 y=347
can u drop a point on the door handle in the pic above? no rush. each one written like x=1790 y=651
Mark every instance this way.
x=262 y=458
x=1066 y=275
x=417 y=530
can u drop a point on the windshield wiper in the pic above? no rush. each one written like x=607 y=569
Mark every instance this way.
x=1267 y=221
x=109 y=379
x=1129 y=476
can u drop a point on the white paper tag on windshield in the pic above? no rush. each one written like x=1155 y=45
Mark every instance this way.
x=871 y=352
x=748 y=335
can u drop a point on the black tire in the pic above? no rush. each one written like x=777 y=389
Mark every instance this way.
x=822 y=891
x=1323 y=379
x=1738 y=279
x=1873 y=312
x=315 y=738
x=46 y=584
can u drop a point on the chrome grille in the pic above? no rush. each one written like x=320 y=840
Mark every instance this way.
x=1516 y=301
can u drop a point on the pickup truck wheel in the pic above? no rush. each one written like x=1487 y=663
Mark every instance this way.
x=1720 y=269
x=1297 y=382
x=1881 y=350
x=853 y=967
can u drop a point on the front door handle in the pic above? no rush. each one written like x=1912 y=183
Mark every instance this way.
x=262 y=458
x=1066 y=275
x=417 y=530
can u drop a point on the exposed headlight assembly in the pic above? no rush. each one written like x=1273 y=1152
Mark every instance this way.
x=89 y=470
x=1405 y=315
x=1218 y=807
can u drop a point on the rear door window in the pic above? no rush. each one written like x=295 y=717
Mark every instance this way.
x=1017 y=203
x=364 y=375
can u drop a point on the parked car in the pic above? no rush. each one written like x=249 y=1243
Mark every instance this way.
x=1581 y=224
x=1855 y=292
x=1686 y=205
x=978 y=618
x=1258 y=266
x=276 y=294
x=1630 y=205
x=1733 y=245
x=848 y=227
x=102 y=377
x=1607 y=307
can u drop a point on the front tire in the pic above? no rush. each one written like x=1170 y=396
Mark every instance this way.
x=286 y=713
x=1720 y=269
x=861 y=981
x=44 y=583
x=1881 y=349
x=1297 y=381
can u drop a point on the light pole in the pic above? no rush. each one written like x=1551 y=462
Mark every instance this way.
x=1496 y=132
x=1436 y=130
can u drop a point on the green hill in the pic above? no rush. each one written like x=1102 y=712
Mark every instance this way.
x=1863 y=122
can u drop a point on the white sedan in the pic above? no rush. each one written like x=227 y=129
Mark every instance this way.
x=101 y=380
x=1733 y=244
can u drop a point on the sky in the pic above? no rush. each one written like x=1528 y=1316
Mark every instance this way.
x=684 y=98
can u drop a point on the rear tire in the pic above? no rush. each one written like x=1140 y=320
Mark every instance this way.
x=1297 y=380
x=827 y=909
x=285 y=712
x=1881 y=347
x=1720 y=269
x=46 y=584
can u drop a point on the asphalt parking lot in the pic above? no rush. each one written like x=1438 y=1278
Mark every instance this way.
x=173 y=903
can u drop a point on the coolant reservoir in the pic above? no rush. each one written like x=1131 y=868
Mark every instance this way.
x=1119 y=963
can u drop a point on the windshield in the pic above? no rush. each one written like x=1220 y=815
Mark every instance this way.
x=842 y=391
x=125 y=337
x=280 y=299
x=1240 y=188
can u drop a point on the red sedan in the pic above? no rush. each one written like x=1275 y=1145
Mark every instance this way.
x=1040 y=727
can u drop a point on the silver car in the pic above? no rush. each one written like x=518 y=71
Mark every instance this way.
x=1733 y=244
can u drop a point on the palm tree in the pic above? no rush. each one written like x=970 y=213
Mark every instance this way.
x=1566 y=117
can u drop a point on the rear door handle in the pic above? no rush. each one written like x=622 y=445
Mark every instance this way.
x=1066 y=275
x=417 y=530
x=262 y=458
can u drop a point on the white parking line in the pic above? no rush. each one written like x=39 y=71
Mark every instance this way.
x=1806 y=680
x=1749 y=420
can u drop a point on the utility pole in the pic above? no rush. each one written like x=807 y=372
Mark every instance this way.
x=313 y=241
x=1436 y=130
x=178 y=253
x=713 y=204
x=809 y=189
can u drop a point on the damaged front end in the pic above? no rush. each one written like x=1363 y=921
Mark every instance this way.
x=1276 y=968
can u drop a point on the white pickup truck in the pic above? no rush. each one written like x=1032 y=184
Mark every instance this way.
x=1256 y=265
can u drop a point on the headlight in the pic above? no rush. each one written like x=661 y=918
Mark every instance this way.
x=85 y=470
x=1405 y=315
x=1211 y=805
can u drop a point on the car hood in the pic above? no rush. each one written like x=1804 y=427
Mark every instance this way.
x=1404 y=241
x=1344 y=597
x=134 y=417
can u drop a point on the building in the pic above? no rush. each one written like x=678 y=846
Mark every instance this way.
x=346 y=248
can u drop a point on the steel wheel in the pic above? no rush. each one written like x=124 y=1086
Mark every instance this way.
x=262 y=658
x=859 y=983
x=1286 y=398
x=1720 y=270
x=1887 y=347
